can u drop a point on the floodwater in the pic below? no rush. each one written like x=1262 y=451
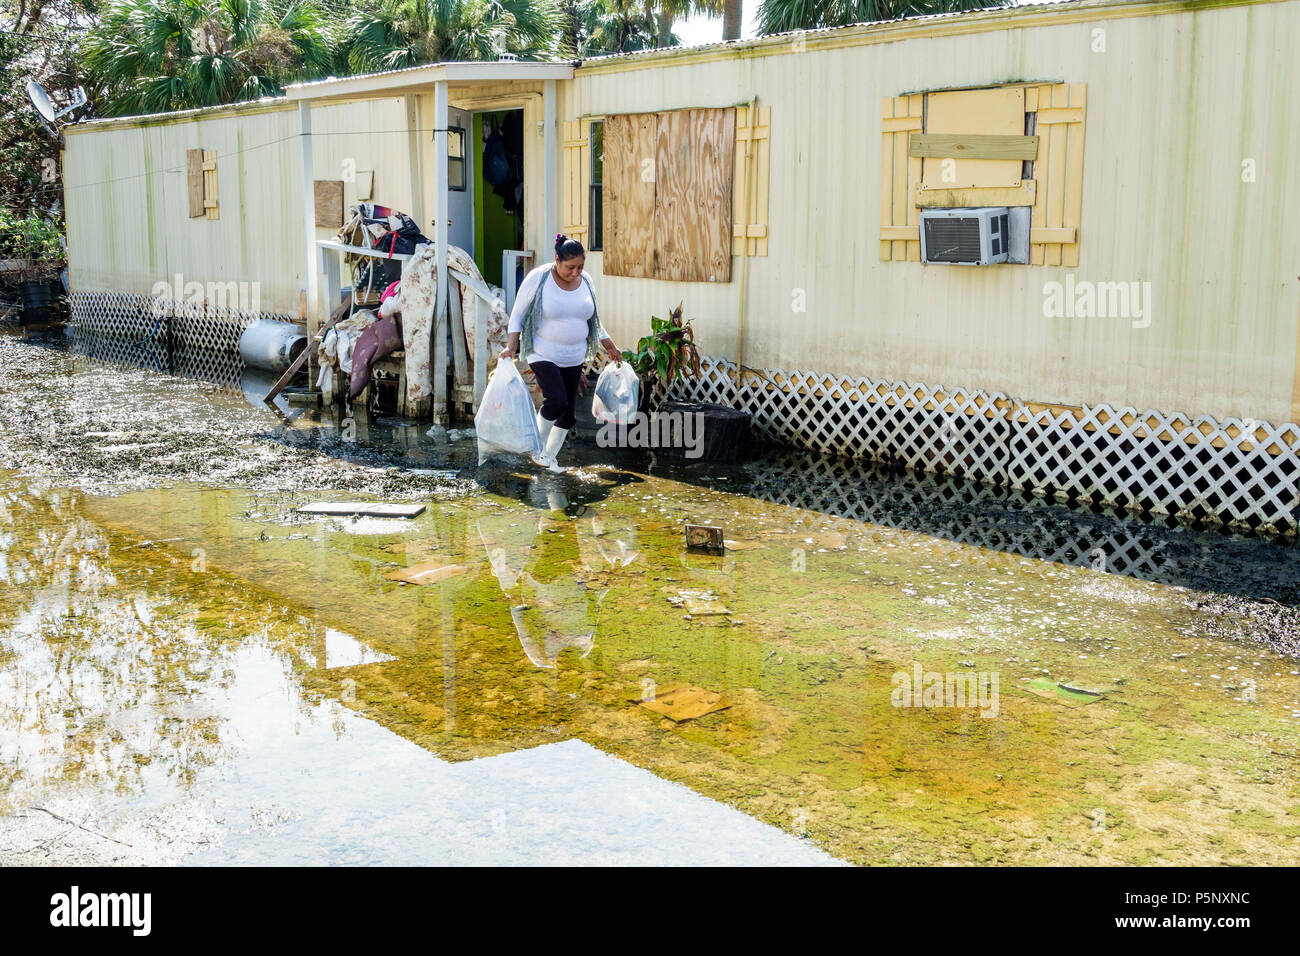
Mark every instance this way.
x=192 y=671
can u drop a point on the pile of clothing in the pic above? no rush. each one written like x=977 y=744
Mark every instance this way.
x=404 y=310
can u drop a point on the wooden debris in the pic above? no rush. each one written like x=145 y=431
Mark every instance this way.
x=427 y=572
x=370 y=509
x=679 y=702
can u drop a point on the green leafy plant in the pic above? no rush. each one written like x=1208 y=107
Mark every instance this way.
x=666 y=354
x=31 y=237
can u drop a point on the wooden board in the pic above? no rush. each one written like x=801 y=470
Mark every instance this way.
x=629 y=194
x=694 y=161
x=1022 y=195
x=427 y=572
x=194 y=174
x=328 y=196
x=374 y=509
x=679 y=702
x=996 y=112
x=972 y=146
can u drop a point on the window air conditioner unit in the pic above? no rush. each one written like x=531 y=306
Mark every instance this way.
x=965 y=237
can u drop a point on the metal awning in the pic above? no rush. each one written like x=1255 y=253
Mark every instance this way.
x=414 y=79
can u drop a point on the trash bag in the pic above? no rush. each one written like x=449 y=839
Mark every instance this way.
x=505 y=421
x=618 y=394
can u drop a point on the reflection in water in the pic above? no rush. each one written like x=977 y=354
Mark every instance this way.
x=1149 y=548
x=542 y=568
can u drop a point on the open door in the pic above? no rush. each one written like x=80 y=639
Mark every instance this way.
x=498 y=188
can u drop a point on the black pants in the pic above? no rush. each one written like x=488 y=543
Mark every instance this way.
x=559 y=391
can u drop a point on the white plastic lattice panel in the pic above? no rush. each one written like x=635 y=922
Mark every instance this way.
x=179 y=336
x=1245 y=474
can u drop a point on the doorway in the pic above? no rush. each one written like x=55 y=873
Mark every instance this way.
x=498 y=191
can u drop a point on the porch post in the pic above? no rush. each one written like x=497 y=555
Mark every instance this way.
x=440 y=239
x=550 y=180
x=310 y=262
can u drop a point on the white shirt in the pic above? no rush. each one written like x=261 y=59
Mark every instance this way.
x=561 y=335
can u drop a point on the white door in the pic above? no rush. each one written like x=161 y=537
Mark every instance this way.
x=460 y=172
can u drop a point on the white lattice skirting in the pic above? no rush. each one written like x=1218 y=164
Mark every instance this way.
x=204 y=341
x=1243 y=474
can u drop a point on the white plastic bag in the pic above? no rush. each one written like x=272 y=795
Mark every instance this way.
x=505 y=421
x=618 y=393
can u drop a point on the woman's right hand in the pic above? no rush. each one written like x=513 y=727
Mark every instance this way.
x=508 y=353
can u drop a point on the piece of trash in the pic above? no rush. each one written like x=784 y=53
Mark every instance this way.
x=1046 y=687
x=698 y=603
x=703 y=537
x=1079 y=690
x=679 y=702
x=374 y=509
x=427 y=572
x=733 y=545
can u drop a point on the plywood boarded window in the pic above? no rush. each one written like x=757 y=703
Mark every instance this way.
x=201 y=169
x=1019 y=145
x=668 y=194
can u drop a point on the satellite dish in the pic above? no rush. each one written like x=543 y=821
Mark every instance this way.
x=44 y=106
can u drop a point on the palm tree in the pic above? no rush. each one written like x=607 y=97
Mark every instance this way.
x=781 y=16
x=596 y=27
x=157 y=55
x=394 y=33
x=733 y=18
x=667 y=11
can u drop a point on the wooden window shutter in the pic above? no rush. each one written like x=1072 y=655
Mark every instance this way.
x=1058 y=168
x=194 y=172
x=668 y=204
x=900 y=222
x=210 y=184
x=577 y=179
x=201 y=173
x=750 y=182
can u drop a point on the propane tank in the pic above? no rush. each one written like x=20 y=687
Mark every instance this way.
x=270 y=345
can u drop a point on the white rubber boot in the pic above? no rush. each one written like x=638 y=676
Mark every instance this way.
x=553 y=442
x=544 y=431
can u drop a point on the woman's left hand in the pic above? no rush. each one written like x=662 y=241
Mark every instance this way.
x=613 y=352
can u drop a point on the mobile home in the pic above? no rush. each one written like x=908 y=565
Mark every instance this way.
x=1046 y=245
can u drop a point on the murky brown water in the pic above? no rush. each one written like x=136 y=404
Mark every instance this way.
x=154 y=639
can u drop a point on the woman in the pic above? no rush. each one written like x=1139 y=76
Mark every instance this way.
x=555 y=323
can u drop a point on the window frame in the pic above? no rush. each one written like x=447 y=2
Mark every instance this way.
x=457 y=162
x=595 y=187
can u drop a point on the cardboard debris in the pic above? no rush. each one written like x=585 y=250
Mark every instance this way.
x=371 y=509
x=1046 y=687
x=428 y=572
x=698 y=603
x=679 y=702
